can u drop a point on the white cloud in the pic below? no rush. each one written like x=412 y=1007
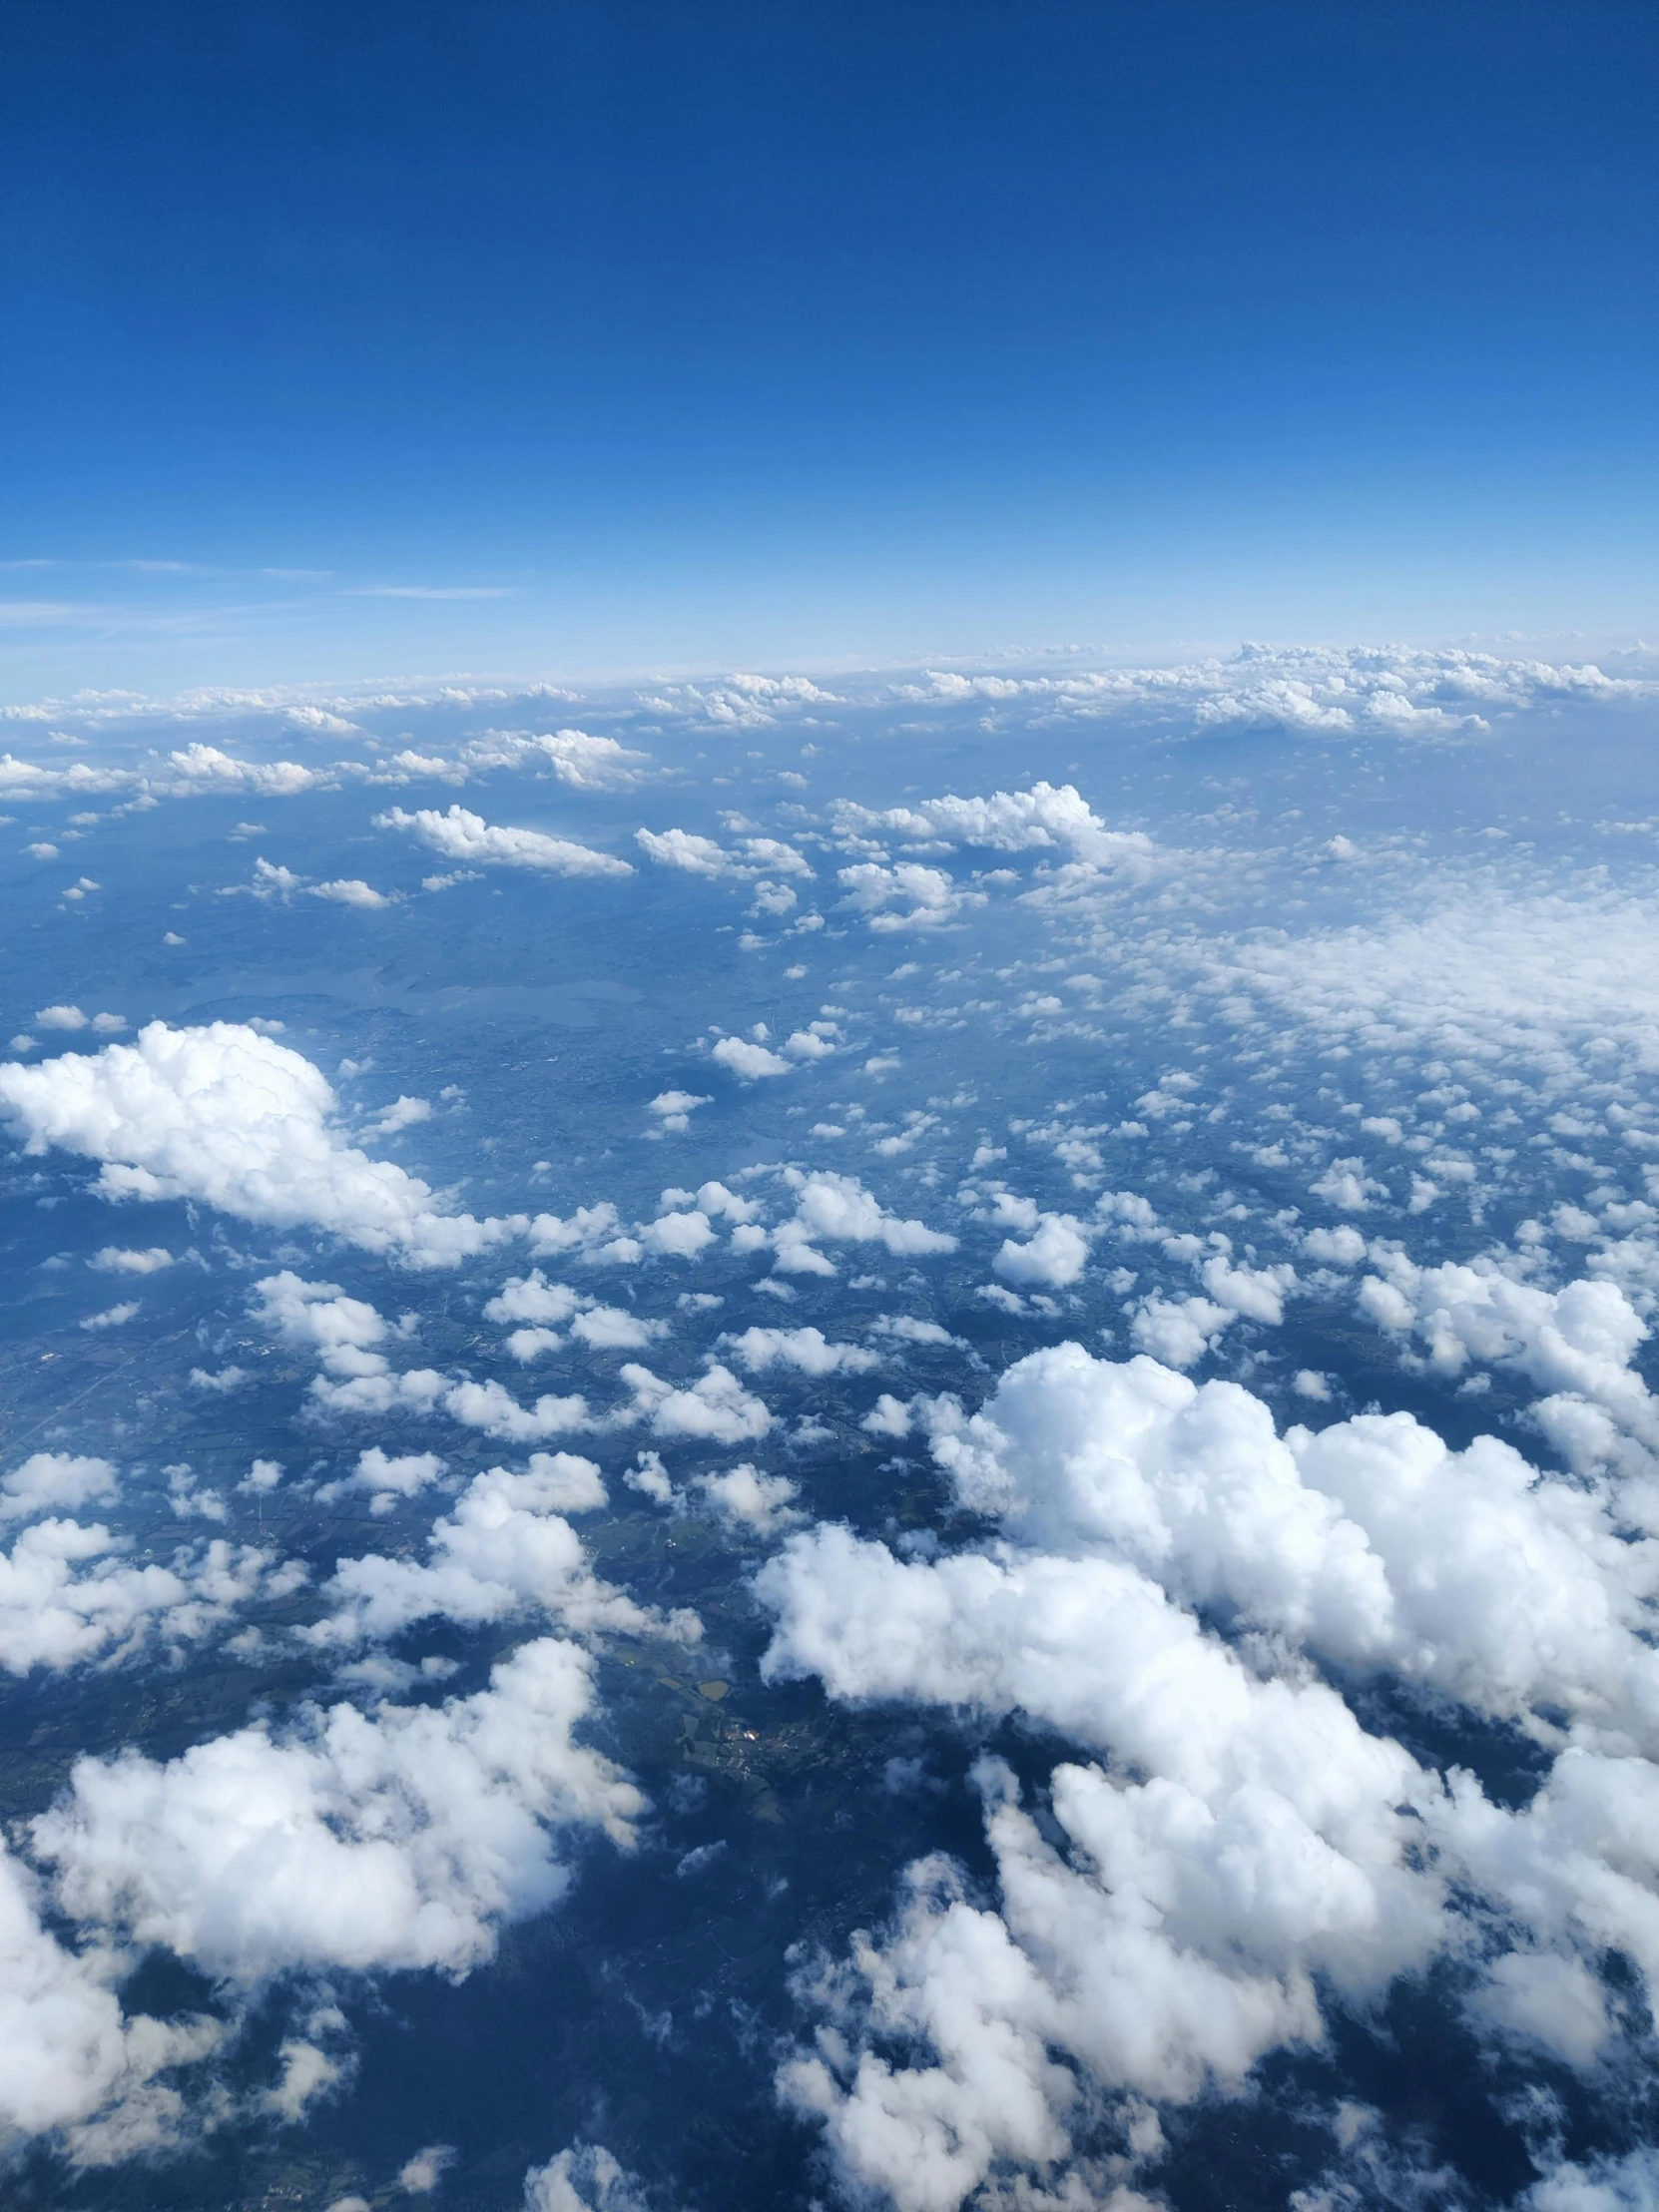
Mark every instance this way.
x=745 y=1499
x=586 y=2178
x=69 y=2059
x=400 y=1840
x=904 y=1328
x=349 y=890
x=115 y=1260
x=838 y=1208
x=1346 y=1184
x=1252 y=1836
x=226 y=1115
x=504 y=1550
x=909 y=895
x=547 y=1305
x=716 y=1410
x=113 y=1316
x=1576 y=1344
x=592 y=1232
x=1056 y=1255
x=679 y=1235
x=673 y=1109
x=419 y=2176
x=56 y=1481
x=1045 y=817
x=805 y=1349
x=697 y=855
x=745 y=1060
x=67 y=1594
x=469 y=839
x=388 y=1477
x=585 y=763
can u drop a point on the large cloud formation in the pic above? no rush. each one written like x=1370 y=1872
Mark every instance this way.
x=343 y=1841
x=1233 y=1838
x=226 y=1115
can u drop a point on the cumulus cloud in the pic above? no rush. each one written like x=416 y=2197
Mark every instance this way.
x=469 y=839
x=69 y=1594
x=716 y=1410
x=697 y=855
x=907 y=895
x=56 y=1481
x=1055 y=1254
x=748 y=1060
x=586 y=2178
x=1251 y=1837
x=1575 y=1344
x=114 y=1260
x=805 y=1349
x=547 y=1307
x=387 y=1476
x=226 y=1115
x=343 y=1842
x=1046 y=817
x=584 y=761
x=837 y=1209
x=673 y=1109
x=745 y=1499
x=70 y=2061
x=504 y=1550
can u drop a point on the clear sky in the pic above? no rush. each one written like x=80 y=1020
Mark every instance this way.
x=343 y=337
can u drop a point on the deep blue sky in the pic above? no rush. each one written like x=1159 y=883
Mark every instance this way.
x=713 y=332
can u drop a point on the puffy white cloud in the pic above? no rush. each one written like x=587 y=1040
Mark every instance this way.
x=494 y=1410
x=420 y=2175
x=584 y=761
x=469 y=839
x=586 y=2178
x=115 y=1260
x=230 y=1117
x=679 y=1235
x=905 y=1328
x=387 y=1476
x=1046 y=817
x=805 y=1349
x=716 y=1409
x=69 y=2059
x=71 y=1017
x=1056 y=1255
x=67 y=1594
x=547 y=1305
x=319 y=1318
x=697 y=855
x=505 y=1548
x=113 y=1316
x=1345 y=1183
x=673 y=1109
x=532 y=1297
x=200 y=767
x=593 y=1232
x=56 y=1481
x=907 y=895
x=1370 y=1540
x=1265 y=1838
x=748 y=1060
x=1179 y=1331
x=745 y=1499
x=838 y=1208
x=349 y=890
x=1575 y=1344
x=344 y=1841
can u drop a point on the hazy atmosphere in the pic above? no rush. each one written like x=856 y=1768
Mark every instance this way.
x=830 y=1171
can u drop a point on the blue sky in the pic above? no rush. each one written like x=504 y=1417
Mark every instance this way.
x=370 y=338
